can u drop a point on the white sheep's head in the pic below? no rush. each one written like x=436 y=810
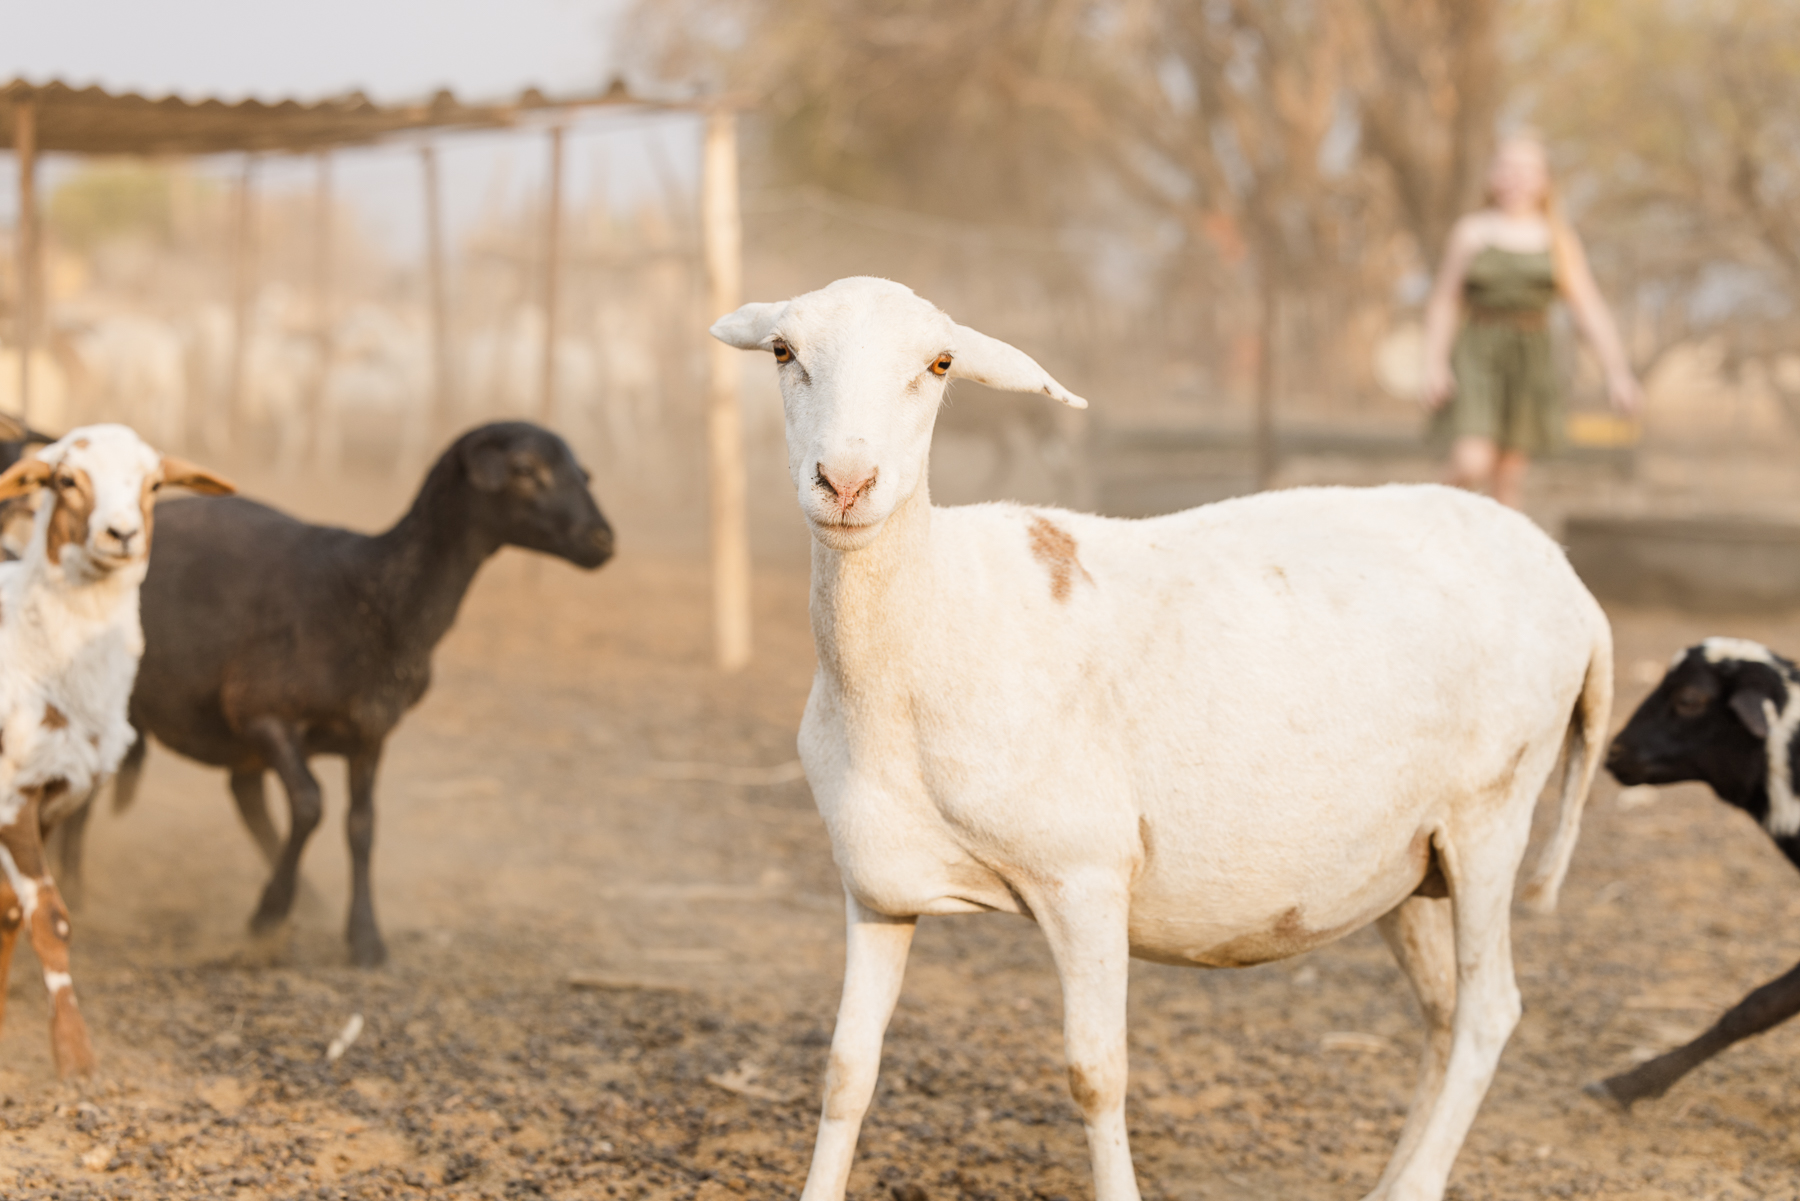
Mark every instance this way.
x=100 y=484
x=863 y=365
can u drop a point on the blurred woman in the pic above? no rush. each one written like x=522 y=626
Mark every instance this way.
x=1491 y=383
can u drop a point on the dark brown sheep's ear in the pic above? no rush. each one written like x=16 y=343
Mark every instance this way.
x=180 y=474
x=12 y=429
x=25 y=476
x=487 y=466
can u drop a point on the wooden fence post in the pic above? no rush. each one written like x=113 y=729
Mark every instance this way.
x=722 y=232
x=552 y=267
x=441 y=406
x=25 y=150
x=224 y=427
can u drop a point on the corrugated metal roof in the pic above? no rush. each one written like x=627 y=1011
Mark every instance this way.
x=92 y=120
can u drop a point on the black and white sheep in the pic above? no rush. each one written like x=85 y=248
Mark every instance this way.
x=269 y=640
x=1724 y=715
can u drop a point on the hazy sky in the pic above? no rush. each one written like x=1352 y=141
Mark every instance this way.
x=390 y=49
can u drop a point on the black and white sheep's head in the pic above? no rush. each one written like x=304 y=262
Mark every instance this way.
x=95 y=490
x=863 y=365
x=1710 y=720
x=533 y=492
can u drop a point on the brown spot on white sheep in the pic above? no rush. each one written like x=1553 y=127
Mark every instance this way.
x=1055 y=548
x=1087 y=1096
x=1288 y=936
x=74 y=501
x=55 y=719
x=838 y=1082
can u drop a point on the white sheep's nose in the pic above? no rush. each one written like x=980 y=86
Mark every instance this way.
x=847 y=485
x=123 y=537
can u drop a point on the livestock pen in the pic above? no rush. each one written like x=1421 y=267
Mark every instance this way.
x=616 y=929
x=293 y=368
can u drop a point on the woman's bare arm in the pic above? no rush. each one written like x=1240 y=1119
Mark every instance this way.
x=1444 y=305
x=1595 y=321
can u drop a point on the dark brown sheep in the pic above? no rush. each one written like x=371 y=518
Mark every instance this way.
x=269 y=640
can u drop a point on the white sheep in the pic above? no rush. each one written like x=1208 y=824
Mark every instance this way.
x=1215 y=738
x=69 y=648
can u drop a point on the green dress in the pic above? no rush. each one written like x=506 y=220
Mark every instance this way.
x=1505 y=382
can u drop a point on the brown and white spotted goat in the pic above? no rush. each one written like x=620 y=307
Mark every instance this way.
x=70 y=642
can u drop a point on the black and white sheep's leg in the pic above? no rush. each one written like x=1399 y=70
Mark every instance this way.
x=366 y=947
x=1767 y=1007
x=286 y=755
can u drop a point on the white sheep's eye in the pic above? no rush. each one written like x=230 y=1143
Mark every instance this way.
x=941 y=366
x=782 y=353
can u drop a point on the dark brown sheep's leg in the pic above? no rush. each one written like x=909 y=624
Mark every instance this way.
x=366 y=947
x=131 y=772
x=70 y=836
x=1770 y=1005
x=283 y=752
x=253 y=807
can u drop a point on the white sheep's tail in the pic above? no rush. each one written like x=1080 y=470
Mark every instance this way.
x=1583 y=748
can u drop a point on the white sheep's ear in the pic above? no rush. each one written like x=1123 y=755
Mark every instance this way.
x=178 y=473
x=994 y=363
x=751 y=326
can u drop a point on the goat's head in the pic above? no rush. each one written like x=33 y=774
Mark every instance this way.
x=863 y=365
x=98 y=486
x=534 y=494
x=1710 y=719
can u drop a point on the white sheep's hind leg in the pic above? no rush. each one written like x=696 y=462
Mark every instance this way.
x=874 y=965
x=1421 y=934
x=1480 y=865
x=1087 y=924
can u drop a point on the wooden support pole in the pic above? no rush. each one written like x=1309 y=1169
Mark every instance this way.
x=324 y=447
x=441 y=402
x=552 y=268
x=1268 y=338
x=224 y=426
x=723 y=235
x=25 y=150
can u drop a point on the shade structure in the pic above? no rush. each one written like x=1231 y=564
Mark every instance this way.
x=92 y=120
x=54 y=117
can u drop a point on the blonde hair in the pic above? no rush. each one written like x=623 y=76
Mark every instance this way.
x=1565 y=247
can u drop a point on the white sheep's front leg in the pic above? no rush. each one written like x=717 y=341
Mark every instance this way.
x=874 y=964
x=1086 y=921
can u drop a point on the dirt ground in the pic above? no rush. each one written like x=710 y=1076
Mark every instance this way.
x=532 y=829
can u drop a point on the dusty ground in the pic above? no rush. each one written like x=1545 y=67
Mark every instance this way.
x=528 y=832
